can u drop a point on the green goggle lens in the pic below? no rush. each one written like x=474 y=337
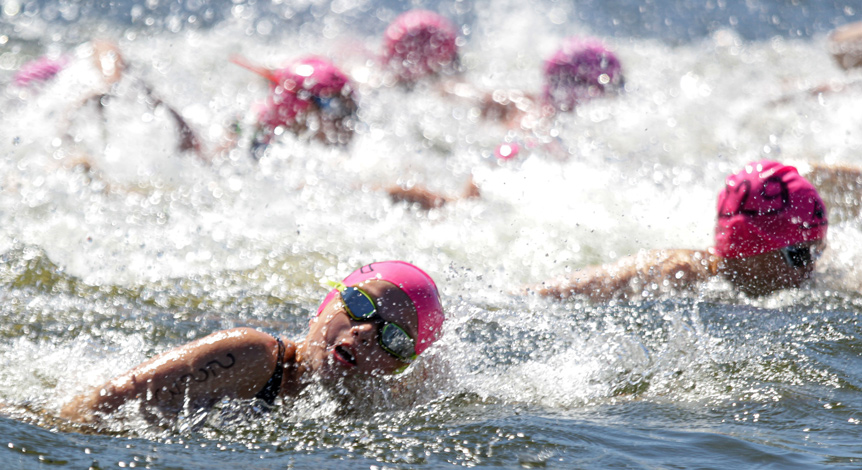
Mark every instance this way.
x=397 y=342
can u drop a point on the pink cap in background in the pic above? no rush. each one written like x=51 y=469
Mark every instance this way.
x=420 y=43
x=582 y=69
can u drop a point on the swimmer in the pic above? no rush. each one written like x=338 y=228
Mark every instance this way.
x=310 y=97
x=770 y=230
x=95 y=73
x=582 y=69
x=376 y=322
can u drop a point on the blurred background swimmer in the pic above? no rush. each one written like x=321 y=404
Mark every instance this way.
x=314 y=99
x=582 y=69
x=86 y=84
x=770 y=230
x=310 y=97
x=374 y=323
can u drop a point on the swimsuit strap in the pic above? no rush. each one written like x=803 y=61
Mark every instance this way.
x=273 y=386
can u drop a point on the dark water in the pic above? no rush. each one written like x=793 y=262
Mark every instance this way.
x=96 y=276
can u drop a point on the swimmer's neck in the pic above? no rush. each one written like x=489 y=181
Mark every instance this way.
x=297 y=373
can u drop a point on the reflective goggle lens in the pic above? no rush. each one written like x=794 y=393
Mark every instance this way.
x=397 y=342
x=359 y=305
x=333 y=107
x=799 y=256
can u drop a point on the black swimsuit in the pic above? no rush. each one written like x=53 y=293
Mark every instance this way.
x=273 y=386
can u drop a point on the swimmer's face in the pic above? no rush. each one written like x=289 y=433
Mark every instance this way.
x=326 y=119
x=769 y=272
x=339 y=346
x=330 y=120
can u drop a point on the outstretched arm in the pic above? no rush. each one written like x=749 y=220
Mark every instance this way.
x=427 y=199
x=630 y=277
x=228 y=364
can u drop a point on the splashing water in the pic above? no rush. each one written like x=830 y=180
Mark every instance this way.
x=103 y=270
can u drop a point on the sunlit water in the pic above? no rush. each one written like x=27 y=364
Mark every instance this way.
x=100 y=274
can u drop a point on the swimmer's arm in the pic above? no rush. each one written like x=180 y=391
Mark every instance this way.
x=631 y=276
x=228 y=364
x=840 y=186
x=419 y=195
x=188 y=138
x=834 y=178
x=427 y=199
x=599 y=283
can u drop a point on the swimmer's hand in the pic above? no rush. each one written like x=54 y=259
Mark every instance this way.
x=418 y=195
x=427 y=199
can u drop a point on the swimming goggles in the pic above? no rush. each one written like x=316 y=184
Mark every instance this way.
x=332 y=107
x=360 y=307
x=799 y=256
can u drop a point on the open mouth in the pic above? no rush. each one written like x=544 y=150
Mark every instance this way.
x=344 y=355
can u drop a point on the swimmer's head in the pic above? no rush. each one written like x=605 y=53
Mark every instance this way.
x=419 y=44
x=767 y=206
x=771 y=227
x=582 y=69
x=412 y=281
x=310 y=93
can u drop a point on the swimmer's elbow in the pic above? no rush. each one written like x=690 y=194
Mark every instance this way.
x=79 y=410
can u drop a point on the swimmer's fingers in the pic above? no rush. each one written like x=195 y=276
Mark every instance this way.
x=424 y=198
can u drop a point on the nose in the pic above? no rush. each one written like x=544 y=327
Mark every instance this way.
x=363 y=331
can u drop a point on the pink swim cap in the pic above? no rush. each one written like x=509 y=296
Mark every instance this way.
x=39 y=70
x=299 y=84
x=418 y=286
x=420 y=43
x=583 y=68
x=764 y=207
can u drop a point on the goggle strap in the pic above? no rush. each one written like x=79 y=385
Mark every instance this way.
x=337 y=285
